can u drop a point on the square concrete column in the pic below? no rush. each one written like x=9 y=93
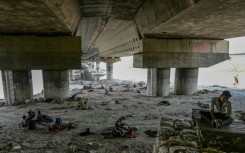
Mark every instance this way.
x=17 y=86
x=158 y=82
x=56 y=84
x=186 y=81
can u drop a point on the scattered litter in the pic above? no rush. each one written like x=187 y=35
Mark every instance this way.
x=117 y=102
x=205 y=106
x=87 y=132
x=164 y=103
x=204 y=91
x=151 y=133
x=82 y=105
x=126 y=146
x=130 y=115
x=16 y=147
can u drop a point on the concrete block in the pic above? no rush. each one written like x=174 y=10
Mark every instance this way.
x=36 y=52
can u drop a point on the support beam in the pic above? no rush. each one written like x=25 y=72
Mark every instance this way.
x=181 y=53
x=17 y=86
x=67 y=11
x=186 y=81
x=55 y=84
x=36 y=52
x=158 y=82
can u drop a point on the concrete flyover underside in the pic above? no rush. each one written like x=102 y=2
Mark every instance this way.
x=161 y=34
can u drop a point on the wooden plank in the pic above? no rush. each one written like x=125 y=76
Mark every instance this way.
x=237 y=128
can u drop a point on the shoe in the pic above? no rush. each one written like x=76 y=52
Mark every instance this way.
x=214 y=123
x=219 y=123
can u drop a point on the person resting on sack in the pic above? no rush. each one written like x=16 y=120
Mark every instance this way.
x=220 y=113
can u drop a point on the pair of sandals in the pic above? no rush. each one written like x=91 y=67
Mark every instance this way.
x=217 y=123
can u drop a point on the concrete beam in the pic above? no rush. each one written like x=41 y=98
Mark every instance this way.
x=47 y=53
x=118 y=38
x=197 y=19
x=110 y=59
x=154 y=12
x=68 y=11
x=181 y=53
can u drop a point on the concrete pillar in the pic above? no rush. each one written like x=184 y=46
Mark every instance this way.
x=109 y=66
x=55 y=84
x=86 y=75
x=158 y=82
x=109 y=71
x=97 y=78
x=70 y=75
x=82 y=75
x=163 y=82
x=97 y=65
x=17 y=86
x=149 y=90
x=186 y=81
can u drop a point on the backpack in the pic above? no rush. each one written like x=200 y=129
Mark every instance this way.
x=31 y=125
x=58 y=121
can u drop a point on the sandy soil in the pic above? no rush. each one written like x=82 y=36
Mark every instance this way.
x=140 y=111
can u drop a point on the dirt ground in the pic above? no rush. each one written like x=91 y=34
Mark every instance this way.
x=140 y=111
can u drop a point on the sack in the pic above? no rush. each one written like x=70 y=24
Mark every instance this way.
x=47 y=119
x=58 y=121
x=131 y=134
x=31 y=125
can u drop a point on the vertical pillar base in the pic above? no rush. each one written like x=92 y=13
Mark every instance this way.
x=109 y=71
x=17 y=86
x=158 y=82
x=56 y=84
x=186 y=81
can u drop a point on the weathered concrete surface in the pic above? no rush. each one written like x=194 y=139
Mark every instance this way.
x=181 y=53
x=155 y=12
x=47 y=17
x=192 y=19
x=109 y=71
x=110 y=59
x=158 y=82
x=115 y=28
x=56 y=84
x=109 y=65
x=109 y=37
x=17 y=86
x=163 y=82
x=36 y=52
x=186 y=81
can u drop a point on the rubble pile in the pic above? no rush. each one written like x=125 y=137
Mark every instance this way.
x=176 y=136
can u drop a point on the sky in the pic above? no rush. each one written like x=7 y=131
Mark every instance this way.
x=218 y=74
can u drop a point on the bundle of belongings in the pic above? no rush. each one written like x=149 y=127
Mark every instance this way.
x=82 y=105
x=33 y=121
x=41 y=121
x=123 y=130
